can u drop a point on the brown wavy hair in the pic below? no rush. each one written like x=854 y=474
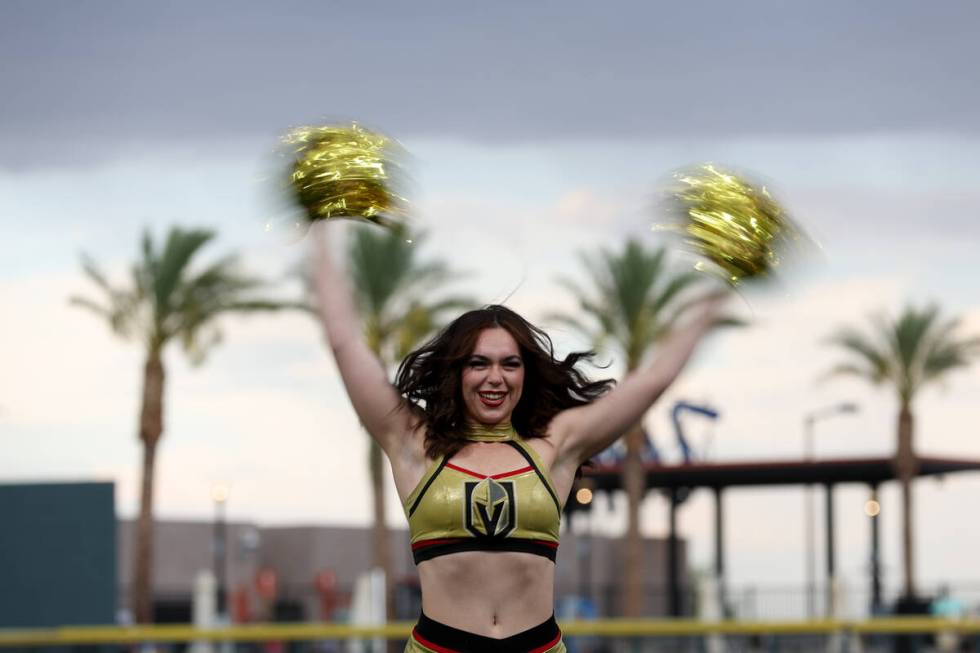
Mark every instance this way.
x=430 y=378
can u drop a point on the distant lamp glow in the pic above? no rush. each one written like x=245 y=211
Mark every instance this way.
x=219 y=493
x=872 y=508
x=584 y=496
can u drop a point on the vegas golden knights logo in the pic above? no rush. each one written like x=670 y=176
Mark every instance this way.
x=491 y=510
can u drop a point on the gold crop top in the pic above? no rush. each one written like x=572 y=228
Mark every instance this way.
x=454 y=509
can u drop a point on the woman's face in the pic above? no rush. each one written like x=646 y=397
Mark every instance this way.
x=493 y=377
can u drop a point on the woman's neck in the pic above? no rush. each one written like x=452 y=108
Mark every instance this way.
x=477 y=432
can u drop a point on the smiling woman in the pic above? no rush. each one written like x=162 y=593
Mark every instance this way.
x=485 y=430
x=490 y=368
x=493 y=377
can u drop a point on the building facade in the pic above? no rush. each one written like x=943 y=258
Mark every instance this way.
x=307 y=573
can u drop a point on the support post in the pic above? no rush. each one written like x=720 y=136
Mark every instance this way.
x=673 y=576
x=720 y=551
x=810 y=565
x=220 y=563
x=875 y=556
x=831 y=611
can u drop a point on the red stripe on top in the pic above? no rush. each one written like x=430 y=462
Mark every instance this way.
x=522 y=470
x=542 y=649
x=514 y=472
x=424 y=543
x=465 y=471
x=435 y=647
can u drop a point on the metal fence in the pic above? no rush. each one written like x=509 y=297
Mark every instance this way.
x=905 y=635
x=769 y=602
x=749 y=602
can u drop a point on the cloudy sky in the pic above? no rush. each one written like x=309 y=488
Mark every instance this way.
x=536 y=131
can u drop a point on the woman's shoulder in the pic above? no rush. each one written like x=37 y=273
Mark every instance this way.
x=543 y=445
x=559 y=426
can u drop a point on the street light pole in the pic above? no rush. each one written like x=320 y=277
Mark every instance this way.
x=809 y=421
x=219 y=493
x=583 y=542
x=808 y=523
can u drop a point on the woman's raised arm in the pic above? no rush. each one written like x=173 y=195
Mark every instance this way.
x=581 y=432
x=382 y=411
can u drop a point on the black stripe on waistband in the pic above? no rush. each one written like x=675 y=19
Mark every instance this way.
x=543 y=548
x=545 y=634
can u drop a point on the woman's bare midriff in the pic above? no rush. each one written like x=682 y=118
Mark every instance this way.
x=494 y=594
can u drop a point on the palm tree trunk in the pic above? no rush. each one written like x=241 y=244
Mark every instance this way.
x=906 y=467
x=635 y=484
x=150 y=430
x=382 y=545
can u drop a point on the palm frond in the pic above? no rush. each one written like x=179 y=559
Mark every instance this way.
x=121 y=309
x=674 y=287
x=378 y=262
x=909 y=334
x=730 y=321
x=142 y=280
x=392 y=286
x=180 y=247
x=949 y=354
x=418 y=322
x=915 y=349
x=145 y=270
x=632 y=297
x=163 y=301
x=678 y=310
x=262 y=306
x=198 y=341
x=428 y=275
x=90 y=305
x=93 y=272
x=858 y=345
x=849 y=369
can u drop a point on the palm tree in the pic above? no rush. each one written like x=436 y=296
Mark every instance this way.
x=163 y=302
x=393 y=287
x=915 y=350
x=634 y=301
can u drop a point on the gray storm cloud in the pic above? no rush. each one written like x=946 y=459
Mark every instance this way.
x=81 y=79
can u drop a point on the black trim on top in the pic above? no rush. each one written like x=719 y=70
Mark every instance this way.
x=485 y=544
x=459 y=640
x=544 y=481
x=425 y=487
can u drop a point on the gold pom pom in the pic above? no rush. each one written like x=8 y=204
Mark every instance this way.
x=736 y=225
x=341 y=171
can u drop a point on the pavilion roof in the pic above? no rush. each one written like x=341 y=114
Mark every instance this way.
x=776 y=472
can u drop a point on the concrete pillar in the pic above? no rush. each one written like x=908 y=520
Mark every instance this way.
x=204 y=607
